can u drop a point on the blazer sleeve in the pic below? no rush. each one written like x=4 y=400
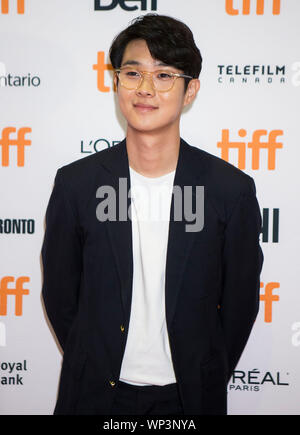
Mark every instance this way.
x=242 y=264
x=61 y=257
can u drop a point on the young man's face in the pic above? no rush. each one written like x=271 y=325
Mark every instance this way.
x=163 y=109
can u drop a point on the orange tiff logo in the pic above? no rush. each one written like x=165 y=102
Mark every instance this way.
x=101 y=67
x=260 y=7
x=20 y=142
x=255 y=145
x=18 y=292
x=268 y=298
x=5 y=4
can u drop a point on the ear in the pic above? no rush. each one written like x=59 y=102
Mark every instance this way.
x=191 y=92
x=115 y=82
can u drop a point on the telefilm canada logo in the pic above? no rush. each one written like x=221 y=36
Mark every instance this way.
x=247 y=74
x=126 y=5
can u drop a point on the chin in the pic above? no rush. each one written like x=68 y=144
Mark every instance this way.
x=144 y=126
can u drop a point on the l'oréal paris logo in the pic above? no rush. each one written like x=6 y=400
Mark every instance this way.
x=254 y=380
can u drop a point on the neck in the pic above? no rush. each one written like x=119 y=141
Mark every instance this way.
x=152 y=156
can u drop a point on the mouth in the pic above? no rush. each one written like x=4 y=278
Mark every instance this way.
x=144 y=107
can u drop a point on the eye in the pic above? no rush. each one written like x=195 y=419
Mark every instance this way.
x=131 y=74
x=164 y=76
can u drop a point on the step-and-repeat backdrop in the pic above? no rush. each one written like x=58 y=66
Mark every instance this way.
x=58 y=104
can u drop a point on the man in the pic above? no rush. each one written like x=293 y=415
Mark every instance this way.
x=152 y=314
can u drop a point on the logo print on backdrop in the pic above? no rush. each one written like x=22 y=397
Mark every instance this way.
x=255 y=145
x=101 y=67
x=6 y=142
x=265 y=225
x=101 y=5
x=246 y=6
x=268 y=298
x=5 y=6
x=251 y=73
x=252 y=380
x=16 y=81
x=17 y=226
x=18 y=292
x=97 y=145
x=11 y=372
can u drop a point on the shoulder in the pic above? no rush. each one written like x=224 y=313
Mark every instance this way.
x=222 y=175
x=83 y=168
x=225 y=185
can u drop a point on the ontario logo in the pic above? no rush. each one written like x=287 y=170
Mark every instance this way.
x=254 y=380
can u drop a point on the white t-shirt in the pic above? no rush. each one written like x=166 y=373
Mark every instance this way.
x=147 y=357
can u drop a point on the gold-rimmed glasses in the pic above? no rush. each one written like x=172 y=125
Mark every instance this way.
x=163 y=81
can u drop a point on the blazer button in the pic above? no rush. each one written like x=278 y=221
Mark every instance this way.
x=112 y=383
x=122 y=328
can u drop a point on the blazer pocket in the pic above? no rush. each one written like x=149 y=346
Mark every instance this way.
x=202 y=246
x=214 y=373
x=76 y=362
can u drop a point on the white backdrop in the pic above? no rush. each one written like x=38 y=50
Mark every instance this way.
x=57 y=94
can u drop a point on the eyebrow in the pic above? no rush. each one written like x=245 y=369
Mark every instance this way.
x=135 y=62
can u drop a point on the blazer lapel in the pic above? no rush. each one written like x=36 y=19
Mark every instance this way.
x=120 y=231
x=189 y=172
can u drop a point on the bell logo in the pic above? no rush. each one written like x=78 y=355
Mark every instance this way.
x=18 y=292
x=124 y=4
x=268 y=298
x=255 y=145
x=6 y=142
x=260 y=7
x=101 y=67
x=5 y=6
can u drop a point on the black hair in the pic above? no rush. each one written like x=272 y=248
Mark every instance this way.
x=168 y=39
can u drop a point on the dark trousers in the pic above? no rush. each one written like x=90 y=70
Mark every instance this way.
x=147 y=400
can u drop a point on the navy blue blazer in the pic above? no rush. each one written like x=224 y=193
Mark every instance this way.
x=211 y=288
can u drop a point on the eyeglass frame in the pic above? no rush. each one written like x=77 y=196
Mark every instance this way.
x=174 y=75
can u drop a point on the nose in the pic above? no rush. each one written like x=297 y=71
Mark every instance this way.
x=146 y=87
